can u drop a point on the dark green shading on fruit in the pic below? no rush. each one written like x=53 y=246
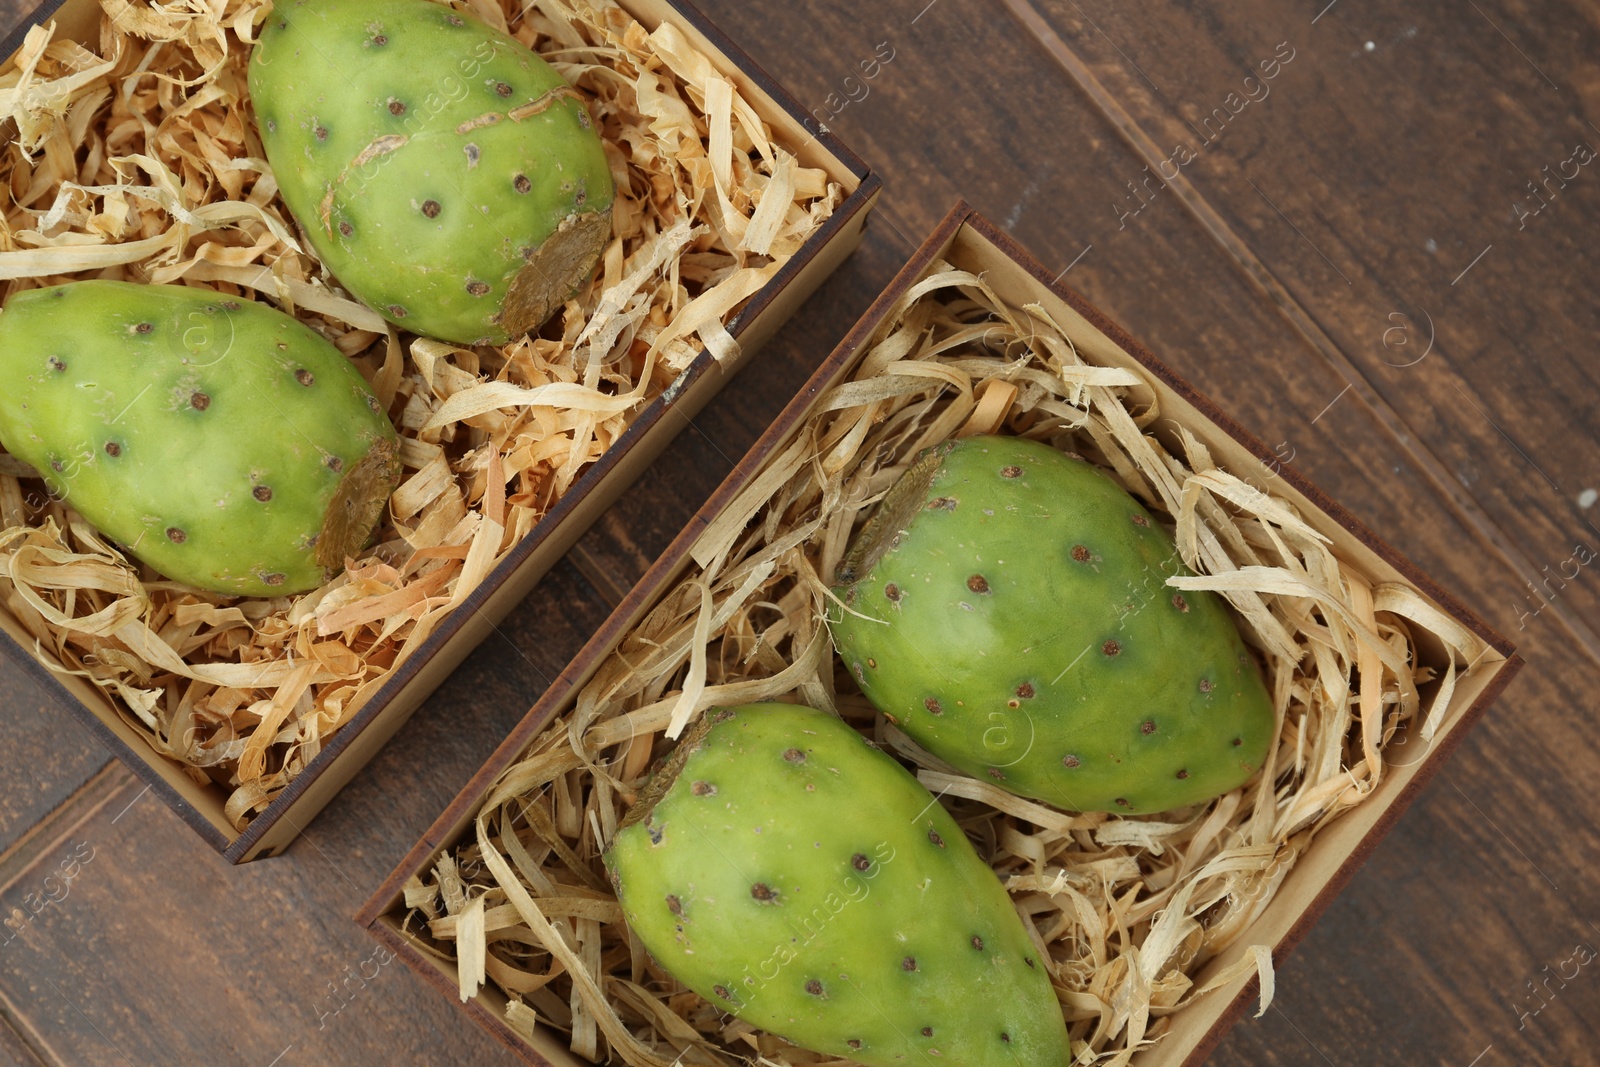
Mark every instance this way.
x=1008 y=610
x=793 y=875
x=216 y=439
x=449 y=177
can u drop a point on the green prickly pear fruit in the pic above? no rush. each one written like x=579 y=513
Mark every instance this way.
x=218 y=440
x=449 y=177
x=795 y=876
x=1006 y=606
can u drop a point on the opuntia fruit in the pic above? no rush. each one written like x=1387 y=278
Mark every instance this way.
x=1006 y=606
x=448 y=176
x=219 y=440
x=794 y=876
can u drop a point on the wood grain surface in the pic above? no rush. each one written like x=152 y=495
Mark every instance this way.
x=1373 y=195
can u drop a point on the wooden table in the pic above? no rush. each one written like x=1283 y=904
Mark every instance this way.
x=1354 y=257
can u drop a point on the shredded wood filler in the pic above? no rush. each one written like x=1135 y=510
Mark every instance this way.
x=1127 y=910
x=138 y=160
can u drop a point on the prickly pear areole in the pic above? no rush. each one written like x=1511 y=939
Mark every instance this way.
x=217 y=439
x=794 y=876
x=449 y=177
x=1007 y=608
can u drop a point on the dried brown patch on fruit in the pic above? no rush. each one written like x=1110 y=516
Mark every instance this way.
x=1070 y=761
x=703 y=789
x=199 y=401
x=176 y=535
x=1080 y=553
x=1140 y=520
x=304 y=377
x=1011 y=472
x=860 y=861
x=262 y=493
x=763 y=892
x=978 y=583
x=933 y=706
x=1180 y=603
x=1111 y=647
x=794 y=755
x=1147 y=727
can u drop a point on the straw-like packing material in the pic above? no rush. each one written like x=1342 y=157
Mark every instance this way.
x=1126 y=910
x=141 y=162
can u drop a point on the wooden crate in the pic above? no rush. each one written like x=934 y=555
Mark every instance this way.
x=973 y=244
x=275 y=827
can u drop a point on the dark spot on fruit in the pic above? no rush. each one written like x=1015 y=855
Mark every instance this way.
x=473 y=154
x=273 y=579
x=1180 y=603
x=454 y=20
x=231 y=305
x=853 y=1043
x=57 y=365
x=1028 y=960
x=722 y=991
x=933 y=835
x=1122 y=802
x=1025 y=690
x=927 y=1031
x=1070 y=761
x=396 y=107
x=977 y=942
x=860 y=672
x=674 y=905
x=1013 y=703
x=321 y=133
x=397 y=311
x=346 y=229
x=521 y=184
x=1005 y=1037
x=892 y=591
x=431 y=208
x=1010 y=472
x=655 y=834
x=272 y=126
x=978 y=583
x=175 y=535
x=1183 y=774
x=1140 y=520
x=262 y=493
x=933 y=705
x=380 y=40
x=143 y=327
x=199 y=401
x=909 y=963
x=1111 y=648
x=58 y=466
x=794 y=755
x=478 y=288
x=997 y=774
x=1147 y=727
x=860 y=862
x=943 y=503
x=763 y=892
x=1237 y=741
x=1080 y=553
x=1206 y=686
x=305 y=377
x=814 y=987
x=335 y=464
x=502 y=88
x=372 y=402
x=113 y=449
x=703 y=789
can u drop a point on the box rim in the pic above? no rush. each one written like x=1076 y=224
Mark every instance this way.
x=146 y=763
x=381 y=904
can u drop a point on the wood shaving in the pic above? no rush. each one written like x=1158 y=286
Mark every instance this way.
x=139 y=161
x=1126 y=909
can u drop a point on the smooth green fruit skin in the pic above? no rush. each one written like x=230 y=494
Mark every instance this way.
x=797 y=877
x=1017 y=625
x=163 y=414
x=432 y=233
